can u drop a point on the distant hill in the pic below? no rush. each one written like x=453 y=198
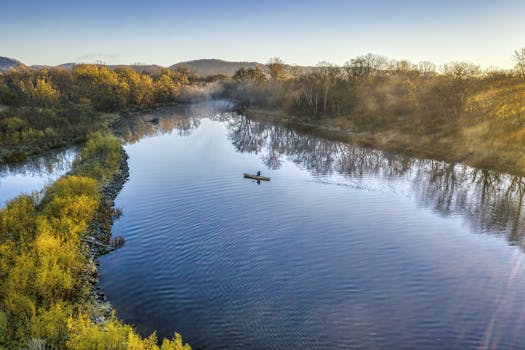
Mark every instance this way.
x=207 y=67
x=202 y=67
x=146 y=68
x=67 y=66
x=6 y=63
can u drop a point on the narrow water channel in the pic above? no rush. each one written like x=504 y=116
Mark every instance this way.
x=34 y=173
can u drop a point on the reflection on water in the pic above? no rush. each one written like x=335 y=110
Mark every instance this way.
x=489 y=200
x=34 y=173
x=346 y=247
x=182 y=119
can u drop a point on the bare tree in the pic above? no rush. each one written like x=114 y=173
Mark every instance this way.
x=495 y=72
x=277 y=68
x=139 y=67
x=461 y=77
x=295 y=71
x=402 y=67
x=519 y=57
x=427 y=69
x=461 y=70
x=366 y=66
x=327 y=74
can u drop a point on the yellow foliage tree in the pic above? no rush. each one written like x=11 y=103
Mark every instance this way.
x=38 y=90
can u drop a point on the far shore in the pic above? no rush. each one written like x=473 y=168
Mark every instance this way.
x=401 y=141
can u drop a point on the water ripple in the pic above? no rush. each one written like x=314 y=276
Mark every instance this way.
x=303 y=261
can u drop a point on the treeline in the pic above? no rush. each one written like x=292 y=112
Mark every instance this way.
x=369 y=84
x=104 y=89
x=45 y=298
x=50 y=108
x=456 y=112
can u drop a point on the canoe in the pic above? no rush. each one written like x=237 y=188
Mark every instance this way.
x=255 y=177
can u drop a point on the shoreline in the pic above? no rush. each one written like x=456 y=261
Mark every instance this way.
x=101 y=240
x=389 y=141
x=23 y=151
x=62 y=235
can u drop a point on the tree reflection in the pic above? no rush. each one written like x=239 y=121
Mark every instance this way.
x=135 y=128
x=492 y=202
x=182 y=119
x=46 y=165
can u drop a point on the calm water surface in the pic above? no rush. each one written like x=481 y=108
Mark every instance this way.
x=34 y=173
x=344 y=248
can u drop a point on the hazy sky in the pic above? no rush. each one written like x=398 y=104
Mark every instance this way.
x=301 y=32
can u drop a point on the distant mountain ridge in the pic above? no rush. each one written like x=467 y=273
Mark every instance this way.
x=203 y=67
x=7 y=63
x=212 y=66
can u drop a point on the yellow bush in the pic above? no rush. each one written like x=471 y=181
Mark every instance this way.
x=42 y=263
x=175 y=344
x=70 y=216
x=17 y=220
x=72 y=186
x=3 y=327
x=60 y=263
x=86 y=335
x=51 y=323
x=100 y=157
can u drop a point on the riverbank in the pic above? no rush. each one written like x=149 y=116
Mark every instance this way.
x=48 y=259
x=26 y=131
x=468 y=145
x=99 y=237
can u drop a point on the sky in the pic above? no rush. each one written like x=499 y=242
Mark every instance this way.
x=304 y=32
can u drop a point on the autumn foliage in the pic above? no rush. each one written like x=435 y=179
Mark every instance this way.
x=44 y=293
x=50 y=108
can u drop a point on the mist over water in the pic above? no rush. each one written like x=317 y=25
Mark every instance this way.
x=345 y=247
